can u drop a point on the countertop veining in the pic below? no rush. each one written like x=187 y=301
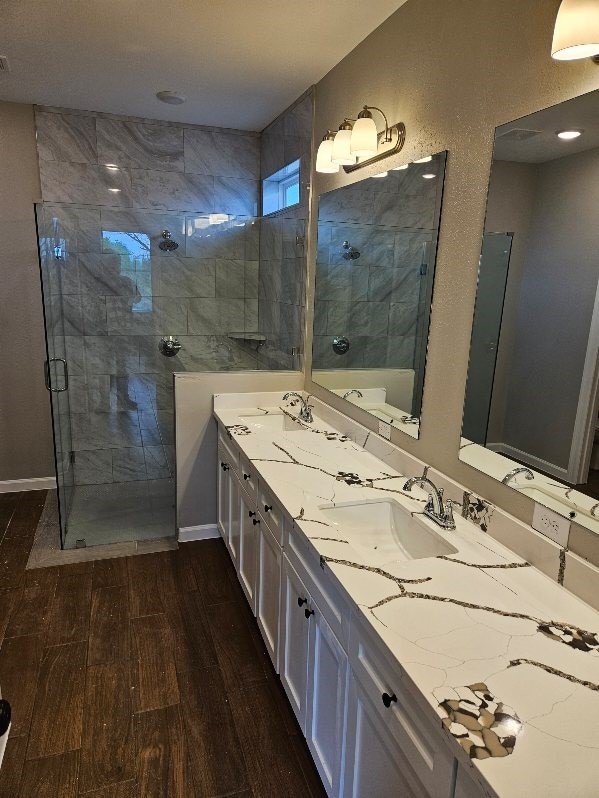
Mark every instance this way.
x=508 y=659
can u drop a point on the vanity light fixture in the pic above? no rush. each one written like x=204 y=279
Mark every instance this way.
x=358 y=143
x=568 y=135
x=324 y=163
x=576 y=32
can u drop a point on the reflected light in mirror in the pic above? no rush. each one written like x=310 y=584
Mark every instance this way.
x=399 y=168
x=429 y=176
x=568 y=135
x=426 y=159
x=381 y=174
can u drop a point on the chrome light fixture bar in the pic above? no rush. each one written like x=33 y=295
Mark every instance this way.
x=358 y=143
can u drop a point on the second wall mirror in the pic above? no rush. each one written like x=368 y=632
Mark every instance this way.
x=375 y=268
x=531 y=409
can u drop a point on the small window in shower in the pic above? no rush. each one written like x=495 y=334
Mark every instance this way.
x=282 y=189
x=136 y=266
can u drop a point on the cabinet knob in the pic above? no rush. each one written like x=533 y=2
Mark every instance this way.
x=308 y=612
x=267 y=508
x=251 y=513
x=389 y=699
x=247 y=476
x=301 y=601
x=224 y=466
x=255 y=521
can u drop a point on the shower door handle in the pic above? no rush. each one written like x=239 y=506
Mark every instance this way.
x=47 y=374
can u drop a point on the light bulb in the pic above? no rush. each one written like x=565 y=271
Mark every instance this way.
x=364 y=138
x=341 y=153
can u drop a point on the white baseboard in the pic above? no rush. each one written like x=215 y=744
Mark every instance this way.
x=37 y=483
x=203 y=532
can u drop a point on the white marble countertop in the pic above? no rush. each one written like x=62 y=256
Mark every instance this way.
x=496 y=648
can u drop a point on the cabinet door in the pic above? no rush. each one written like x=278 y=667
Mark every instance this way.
x=374 y=764
x=224 y=496
x=248 y=549
x=325 y=706
x=268 y=609
x=295 y=631
x=233 y=539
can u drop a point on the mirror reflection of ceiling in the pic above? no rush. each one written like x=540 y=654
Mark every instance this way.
x=533 y=139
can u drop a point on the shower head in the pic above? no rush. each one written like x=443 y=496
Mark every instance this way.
x=168 y=245
x=351 y=253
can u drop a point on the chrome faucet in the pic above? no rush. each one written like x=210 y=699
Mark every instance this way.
x=358 y=393
x=436 y=509
x=514 y=472
x=305 y=412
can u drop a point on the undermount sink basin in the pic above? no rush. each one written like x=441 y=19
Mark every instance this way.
x=274 y=422
x=386 y=530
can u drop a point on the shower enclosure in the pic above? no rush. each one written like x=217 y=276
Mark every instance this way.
x=123 y=312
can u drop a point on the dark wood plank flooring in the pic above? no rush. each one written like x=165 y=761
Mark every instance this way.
x=140 y=677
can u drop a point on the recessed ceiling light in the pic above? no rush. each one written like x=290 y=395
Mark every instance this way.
x=426 y=159
x=114 y=190
x=171 y=97
x=397 y=168
x=429 y=176
x=569 y=134
x=381 y=174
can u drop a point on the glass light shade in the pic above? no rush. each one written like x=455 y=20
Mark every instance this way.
x=324 y=163
x=576 y=33
x=341 y=152
x=364 y=139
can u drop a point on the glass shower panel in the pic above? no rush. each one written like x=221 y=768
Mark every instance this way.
x=56 y=269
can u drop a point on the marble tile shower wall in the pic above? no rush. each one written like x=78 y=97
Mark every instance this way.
x=283 y=249
x=110 y=186
x=377 y=300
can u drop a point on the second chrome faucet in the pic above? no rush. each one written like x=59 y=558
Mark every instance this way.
x=439 y=511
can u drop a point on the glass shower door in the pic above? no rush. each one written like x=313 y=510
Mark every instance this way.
x=54 y=272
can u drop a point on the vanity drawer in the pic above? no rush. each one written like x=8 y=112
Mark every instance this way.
x=271 y=512
x=224 y=442
x=421 y=741
x=248 y=477
x=335 y=608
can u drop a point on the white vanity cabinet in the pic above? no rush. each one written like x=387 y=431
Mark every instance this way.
x=247 y=569
x=268 y=591
x=370 y=733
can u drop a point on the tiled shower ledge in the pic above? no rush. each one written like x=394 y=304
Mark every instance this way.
x=506 y=657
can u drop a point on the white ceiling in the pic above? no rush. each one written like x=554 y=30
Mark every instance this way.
x=239 y=62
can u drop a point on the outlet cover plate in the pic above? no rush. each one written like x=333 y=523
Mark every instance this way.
x=550 y=524
x=385 y=430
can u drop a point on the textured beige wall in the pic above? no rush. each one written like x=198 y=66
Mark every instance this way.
x=25 y=426
x=452 y=71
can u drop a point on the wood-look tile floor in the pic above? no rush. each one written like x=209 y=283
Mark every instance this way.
x=138 y=677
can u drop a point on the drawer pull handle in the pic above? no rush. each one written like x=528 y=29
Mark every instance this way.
x=224 y=466
x=301 y=601
x=251 y=513
x=247 y=476
x=267 y=508
x=389 y=699
x=308 y=612
x=255 y=521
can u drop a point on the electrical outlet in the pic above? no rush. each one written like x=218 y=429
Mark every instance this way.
x=550 y=524
x=385 y=430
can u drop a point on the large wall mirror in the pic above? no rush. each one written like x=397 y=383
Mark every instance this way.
x=375 y=267
x=531 y=409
